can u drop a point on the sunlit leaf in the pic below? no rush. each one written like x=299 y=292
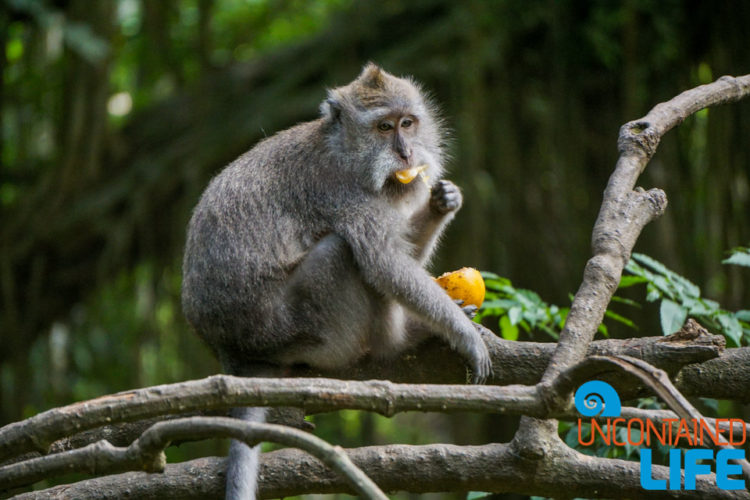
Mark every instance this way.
x=741 y=257
x=732 y=328
x=627 y=281
x=653 y=294
x=602 y=328
x=627 y=302
x=620 y=319
x=507 y=330
x=672 y=316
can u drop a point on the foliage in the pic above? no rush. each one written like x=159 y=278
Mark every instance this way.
x=517 y=307
x=740 y=257
x=681 y=298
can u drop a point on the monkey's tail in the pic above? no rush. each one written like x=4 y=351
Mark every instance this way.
x=243 y=461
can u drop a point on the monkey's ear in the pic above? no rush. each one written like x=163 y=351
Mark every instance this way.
x=372 y=76
x=331 y=107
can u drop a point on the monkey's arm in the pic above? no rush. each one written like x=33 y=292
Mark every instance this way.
x=387 y=267
x=428 y=223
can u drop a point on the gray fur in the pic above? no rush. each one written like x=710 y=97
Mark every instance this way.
x=307 y=250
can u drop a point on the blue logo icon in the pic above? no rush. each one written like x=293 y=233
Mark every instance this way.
x=597 y=398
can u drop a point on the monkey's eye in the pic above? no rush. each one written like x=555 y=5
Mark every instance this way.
x=407 y=122
x=385 y=126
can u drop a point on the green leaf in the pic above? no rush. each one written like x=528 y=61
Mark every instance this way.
x=494 y=304
x=627 y=302
x=496 y=284
x=508 y=330
x=603 y=330
x=711 y=403
x=476 y=495
x=702 y=307
x=651 y=262
x=738 y=259
x=667 y=281
x=743 y=315
x=672 y=316
x=634 y=268
x=653 y=294
x=620 y=319
x=514 y=315
x=526 y=327
x=731 y=327
x=661 y=284
x=563 y=316
x=627 y=281
x=683 y=286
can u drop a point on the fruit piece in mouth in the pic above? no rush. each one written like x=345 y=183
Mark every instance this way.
x=407 y=175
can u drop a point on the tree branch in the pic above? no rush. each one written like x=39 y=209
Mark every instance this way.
x=521 y=361
x=225 y=391
x=657 y=380
x=147 y=452
x=525 y=362
x=419 y=469
x=624 y=213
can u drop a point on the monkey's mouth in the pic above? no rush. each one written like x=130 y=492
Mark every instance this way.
x=407 y=175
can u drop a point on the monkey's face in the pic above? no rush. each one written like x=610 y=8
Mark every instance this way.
x=400 y=146
x=387 y=140
x=383 y=125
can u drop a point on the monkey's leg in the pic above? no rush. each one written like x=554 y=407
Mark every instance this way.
x=418 y=330
x=429 y=223
x=385 y=265
x=335 y=316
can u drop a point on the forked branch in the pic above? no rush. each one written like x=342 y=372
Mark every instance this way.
x=625 y=211
x=147 y=452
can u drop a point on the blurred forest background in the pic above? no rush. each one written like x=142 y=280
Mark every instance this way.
x=116 y=113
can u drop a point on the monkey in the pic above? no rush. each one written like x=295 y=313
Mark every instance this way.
x=308 y=250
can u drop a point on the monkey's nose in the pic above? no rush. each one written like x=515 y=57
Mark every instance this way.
x=404 y=153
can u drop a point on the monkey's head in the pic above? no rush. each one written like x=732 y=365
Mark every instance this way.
x=383 y=124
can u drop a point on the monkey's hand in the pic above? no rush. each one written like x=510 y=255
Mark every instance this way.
x=445 y=197
x=481 y=363
x=470 y=311
x=476 y=351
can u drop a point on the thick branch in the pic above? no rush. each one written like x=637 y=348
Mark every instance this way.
x=224 y=391
x=419 y=469
x=524 y=362
x=147 y=452
x=220 y=392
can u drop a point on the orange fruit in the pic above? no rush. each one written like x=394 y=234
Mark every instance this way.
x=407 y=175
x=465 y=284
